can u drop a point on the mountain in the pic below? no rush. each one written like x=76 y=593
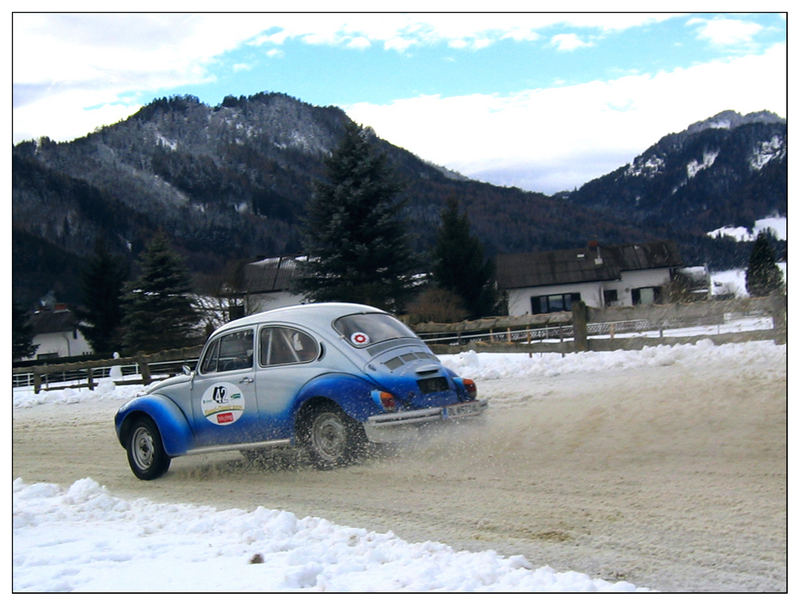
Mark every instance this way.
x=229 y=183
x=727 y=170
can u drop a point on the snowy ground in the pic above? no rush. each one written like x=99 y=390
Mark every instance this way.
x=82 y=538
x=744 y=234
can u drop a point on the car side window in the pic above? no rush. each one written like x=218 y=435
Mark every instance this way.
x=282 y=345
x=233 y=351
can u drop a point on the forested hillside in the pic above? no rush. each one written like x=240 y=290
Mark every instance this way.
x=230 y=183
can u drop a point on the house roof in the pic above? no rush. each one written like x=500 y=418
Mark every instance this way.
x=594 y=263
x=48 y=321
x=274 y=274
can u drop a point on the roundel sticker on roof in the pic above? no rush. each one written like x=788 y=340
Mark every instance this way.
x=222 y=403
x=359 y=338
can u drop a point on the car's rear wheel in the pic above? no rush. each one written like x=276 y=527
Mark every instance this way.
x=146 y=455
x=332 y=439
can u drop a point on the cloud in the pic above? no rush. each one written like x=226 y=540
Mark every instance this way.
x=359 y=42
x=73 y=72
x=726 y=32
x=568 y=42
x=474 y=31
x=109 y=56
x=481 y=134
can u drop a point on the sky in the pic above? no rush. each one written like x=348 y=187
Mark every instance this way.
x=543 y=101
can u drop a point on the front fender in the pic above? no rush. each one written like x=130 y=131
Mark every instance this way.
x=350 y=392
x=176 y=434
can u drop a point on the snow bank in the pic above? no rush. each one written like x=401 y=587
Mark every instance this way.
x=469 y=364
x=502 y=366
x=83 y=539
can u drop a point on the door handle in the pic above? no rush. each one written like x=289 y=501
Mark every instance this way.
x=246 y=380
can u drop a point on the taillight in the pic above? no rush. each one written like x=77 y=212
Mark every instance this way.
x=385 y=399
x=471 y=388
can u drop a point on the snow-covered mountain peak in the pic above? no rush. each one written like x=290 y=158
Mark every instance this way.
x=730 y=119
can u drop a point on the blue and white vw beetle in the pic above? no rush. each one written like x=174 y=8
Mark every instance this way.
x=328 y=377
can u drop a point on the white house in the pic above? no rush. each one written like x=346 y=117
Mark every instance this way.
x=57 y=334
x=546 y=282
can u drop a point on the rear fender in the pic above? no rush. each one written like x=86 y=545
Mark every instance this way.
x=351 y=393
x=176 y=433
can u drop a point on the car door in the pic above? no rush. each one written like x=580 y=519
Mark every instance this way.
x=224 y=402
x=287 y=361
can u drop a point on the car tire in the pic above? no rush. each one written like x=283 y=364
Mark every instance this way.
x=146 y=455
x=332 y=439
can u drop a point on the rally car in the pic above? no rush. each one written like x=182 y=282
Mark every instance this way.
x=326 y=377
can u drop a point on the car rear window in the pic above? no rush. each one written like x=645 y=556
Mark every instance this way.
x=362 y=330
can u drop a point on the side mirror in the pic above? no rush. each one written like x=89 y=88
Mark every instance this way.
x=186 y=370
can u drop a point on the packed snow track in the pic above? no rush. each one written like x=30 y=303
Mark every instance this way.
x=668 y=473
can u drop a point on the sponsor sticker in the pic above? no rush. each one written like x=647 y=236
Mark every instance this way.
x=224 y=418
x=222 y=403
x=359 y=338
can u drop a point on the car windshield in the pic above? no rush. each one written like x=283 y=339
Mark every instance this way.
x=362 y=330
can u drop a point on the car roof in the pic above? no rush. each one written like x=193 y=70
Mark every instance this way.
x=313 y=315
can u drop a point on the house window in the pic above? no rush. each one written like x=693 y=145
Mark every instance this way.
x=548 y=304
x=646 y=296
x=610 y=297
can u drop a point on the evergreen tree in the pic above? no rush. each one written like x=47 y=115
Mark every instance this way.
x=101 y=283
x=157 y=307
x=22 y=333
x=354 y=234
x=459 y=265
x=763 y=276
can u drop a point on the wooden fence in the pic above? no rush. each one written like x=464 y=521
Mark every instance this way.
x=87 y=370
x=567 y=332
x=562 y=332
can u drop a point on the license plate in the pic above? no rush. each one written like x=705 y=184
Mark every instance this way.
x=460 y=410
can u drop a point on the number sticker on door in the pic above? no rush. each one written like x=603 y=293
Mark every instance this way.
x=222 y=403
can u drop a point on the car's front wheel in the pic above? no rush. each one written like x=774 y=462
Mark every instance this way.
x=332 y=438
x=146 y=454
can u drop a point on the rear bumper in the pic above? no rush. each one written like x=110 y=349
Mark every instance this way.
x=399 y=426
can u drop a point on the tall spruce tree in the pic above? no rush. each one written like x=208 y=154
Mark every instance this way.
x=101 y=311
x=763 y=275
x=157 y=307
x=354 y=233
x=459 y=265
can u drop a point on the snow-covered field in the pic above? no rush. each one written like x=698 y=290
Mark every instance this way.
x=744 y=234
x=81 y=538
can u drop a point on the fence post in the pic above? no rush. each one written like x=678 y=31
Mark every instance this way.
x=90 y=378
x=144 y=369
x=37 y=380
x=579 y=326
x=777 y=305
